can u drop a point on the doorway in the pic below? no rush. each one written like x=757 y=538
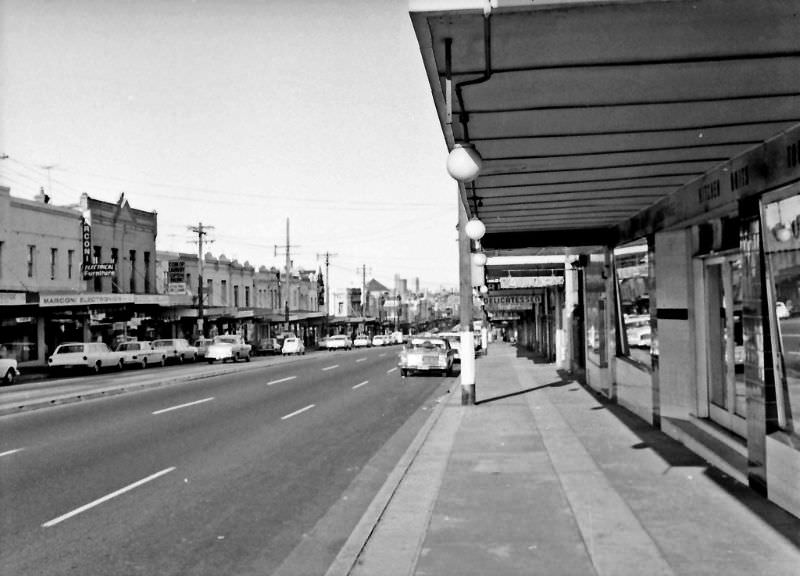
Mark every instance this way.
x=727 y=398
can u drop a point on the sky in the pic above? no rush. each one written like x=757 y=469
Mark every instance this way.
x=240 y=115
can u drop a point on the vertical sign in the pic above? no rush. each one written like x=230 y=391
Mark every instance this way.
x=86 y=240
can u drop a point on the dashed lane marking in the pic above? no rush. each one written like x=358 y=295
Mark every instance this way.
x=106 y=498
x=330 y=367
x=392 y=370
x=179 y=406
x=296 y=412
x=10 y=452
x=361 y=360
x=281 y=380
x=360 y=385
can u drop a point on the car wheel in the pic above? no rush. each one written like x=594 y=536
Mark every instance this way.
x=144 y=363
x=180 y=359
x=9 y=377
x=97 y=367
x=120 y=364
x=163 y=361
x=247 y=358
x=403 y=372
x=194 y=357
x=210 y=361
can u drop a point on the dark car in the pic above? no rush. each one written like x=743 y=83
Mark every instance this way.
x=268 y=346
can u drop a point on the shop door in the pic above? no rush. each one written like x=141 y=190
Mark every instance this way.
x=725 y=346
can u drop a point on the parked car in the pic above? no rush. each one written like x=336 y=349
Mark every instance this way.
x=339 y=342
x=362 y=341
x=454 y=338
x=397 y=337
x=229 y=347
x=91 y=355
x=267 y=346
x=637 y=330
x=781 y=310
x=380 y=340
x=177 y=349
x=426 y=354
x=141 y=353
x=293 y=345
x=202 y=345
x=8 y=370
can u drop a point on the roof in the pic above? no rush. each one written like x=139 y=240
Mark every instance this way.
x=595 y=112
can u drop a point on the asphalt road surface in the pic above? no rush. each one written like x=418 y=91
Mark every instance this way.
x=225 y=475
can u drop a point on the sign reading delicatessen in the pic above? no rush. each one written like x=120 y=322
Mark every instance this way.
x=511 y=300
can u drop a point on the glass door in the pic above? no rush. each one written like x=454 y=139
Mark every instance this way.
x=725 y=366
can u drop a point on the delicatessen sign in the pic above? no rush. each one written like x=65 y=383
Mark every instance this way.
x=503 y=300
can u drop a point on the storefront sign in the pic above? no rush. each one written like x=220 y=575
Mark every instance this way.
x=154 y=299
x=497 y=302
x=12 y=298
x=177 y=288
x=86 y=240
x=530 y=281
x=98 y=270
x=177 y=271
x=50 y=300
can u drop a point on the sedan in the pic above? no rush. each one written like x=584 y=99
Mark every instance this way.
x=293 y=346
x=8 y=370
x=340 y=342
x=141 y=353
x=229 y=347
x=362 y=341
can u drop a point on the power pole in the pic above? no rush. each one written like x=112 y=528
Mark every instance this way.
x=201 y=231
x=328 y=256
x=286 y=285
x=365 y=302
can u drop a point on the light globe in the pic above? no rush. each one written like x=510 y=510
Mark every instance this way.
x=479 y=258
x=464 y=163
x=475 y=229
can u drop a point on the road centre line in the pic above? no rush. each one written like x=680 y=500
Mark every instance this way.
x=281 y=380
x=10 y=452
x=361 y=360
x=392 y=370
x=360 y=385
x=330 y=367
x=106 y=498
x=296 y=412
x=182 y=405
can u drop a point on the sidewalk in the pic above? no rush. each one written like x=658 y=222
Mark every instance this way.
x=542 y=477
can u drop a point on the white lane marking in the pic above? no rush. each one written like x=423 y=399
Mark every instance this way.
x=360 y=385
x=281 y=380
x=179 y=406
x=330 y=367
x=296 y=412
x=360 y=359
x=392 y=370
x=106 y=498
x=381 y=355
x=10 y=452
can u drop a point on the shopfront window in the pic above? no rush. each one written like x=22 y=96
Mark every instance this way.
x=781 y=233
x=596 y=306
x=18 y=339
x=631 y=268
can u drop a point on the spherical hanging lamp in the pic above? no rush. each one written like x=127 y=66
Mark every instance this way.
x=479 y=258
x=475 y=229
x=464 y=163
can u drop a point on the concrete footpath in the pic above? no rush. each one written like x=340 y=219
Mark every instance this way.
x=543 y=477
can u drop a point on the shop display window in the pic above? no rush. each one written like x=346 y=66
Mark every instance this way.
x=19 y=339
x=632 y=275
x=781 y=233
x=596 y=305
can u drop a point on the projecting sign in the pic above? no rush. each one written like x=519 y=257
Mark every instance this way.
x=530 y=281
x=177 y=271
x=86 y=240
x=177 y=288
x=98 y=270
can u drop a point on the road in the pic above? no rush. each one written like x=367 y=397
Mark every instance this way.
x=224 y=475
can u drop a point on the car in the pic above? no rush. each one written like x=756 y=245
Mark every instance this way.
x=339 y=341
x=454 y=338
x=8 y=370
x=177 y=349
x=426 y=354
x=202 y=345
x=228 y=347
x=141 y=353
x=267 y=346
x=397 y=337
x=362 y=341
x=637 y=330
x=293 y=345
x=380 y=340
x=781 y=310
x=91 y=355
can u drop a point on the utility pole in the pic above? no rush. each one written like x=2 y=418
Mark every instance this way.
x=328 y=256
x=286 y=285
x=365 y=299
x=201 y=231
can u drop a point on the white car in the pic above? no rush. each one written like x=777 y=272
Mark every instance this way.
x=8 y=370
x=454 y=338
x=781 y=310
x=141 y=353
x=92 y=355
x=177 y=349
x=338 y=342
x=380 y=340
x=229 y=347
x=293 y=346
x=362 y=341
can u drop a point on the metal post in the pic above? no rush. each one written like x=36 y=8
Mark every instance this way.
x=467 y=348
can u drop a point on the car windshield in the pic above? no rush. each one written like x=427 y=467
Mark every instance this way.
x=163 y=343
x=70 y=349
x=226 y=339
